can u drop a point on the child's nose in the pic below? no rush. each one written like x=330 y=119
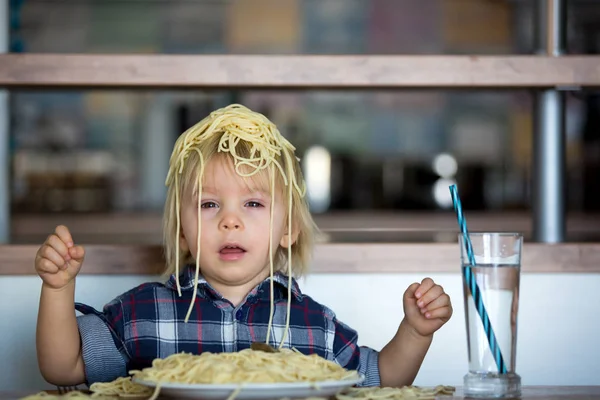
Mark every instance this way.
x=231 y=226
x=231 y=222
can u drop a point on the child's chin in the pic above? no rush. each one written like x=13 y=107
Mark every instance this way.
x=239 y=274
x=233 y=272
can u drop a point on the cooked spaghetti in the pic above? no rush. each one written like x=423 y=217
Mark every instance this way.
x=48 y=396
x=388 y=393
x=246 y=366
x=122 y=386
x=233 y=124
x=73 y=395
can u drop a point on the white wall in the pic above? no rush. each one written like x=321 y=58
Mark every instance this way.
x=557 y=339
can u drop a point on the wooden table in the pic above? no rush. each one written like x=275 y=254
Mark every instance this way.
x=528 y=392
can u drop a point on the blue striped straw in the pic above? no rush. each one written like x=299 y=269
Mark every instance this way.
x=472 y=283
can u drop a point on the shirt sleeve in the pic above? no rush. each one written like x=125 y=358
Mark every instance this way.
x=103 y=350
x=348 y=354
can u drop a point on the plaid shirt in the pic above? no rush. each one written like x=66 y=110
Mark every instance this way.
x=147 y=322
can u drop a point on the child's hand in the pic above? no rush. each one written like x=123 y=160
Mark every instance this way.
x=426 y=307
x=58 y=261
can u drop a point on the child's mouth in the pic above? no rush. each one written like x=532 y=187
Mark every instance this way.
x=231 y=252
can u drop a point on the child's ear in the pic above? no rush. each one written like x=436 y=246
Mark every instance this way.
x=287 y=240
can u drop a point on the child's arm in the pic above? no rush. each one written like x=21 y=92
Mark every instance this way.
x=426 y=309
x=401 y=359
x=57 y=338
x=58 y=343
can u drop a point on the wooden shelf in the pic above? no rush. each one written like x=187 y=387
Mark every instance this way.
x=329 y=258
x=369 y=227
x=296 y=71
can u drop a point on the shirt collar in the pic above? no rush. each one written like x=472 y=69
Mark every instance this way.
x=186 y=281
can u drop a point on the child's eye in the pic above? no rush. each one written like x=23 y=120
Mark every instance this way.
x=209 y=204
x=253 y=204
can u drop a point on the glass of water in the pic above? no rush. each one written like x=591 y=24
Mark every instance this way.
x=492 y=340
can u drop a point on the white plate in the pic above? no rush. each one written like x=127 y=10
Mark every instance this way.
x=253 y=391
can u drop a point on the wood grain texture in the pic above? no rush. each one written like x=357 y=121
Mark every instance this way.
x=99 y=259
x=296 y=71
x=328 y=258
x=355 y=226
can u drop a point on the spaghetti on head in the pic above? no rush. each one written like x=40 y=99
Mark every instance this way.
x=258 y=153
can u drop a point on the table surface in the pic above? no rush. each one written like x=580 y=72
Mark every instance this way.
x=528 y=392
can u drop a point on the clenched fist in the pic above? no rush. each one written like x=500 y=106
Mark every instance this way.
x=58 y=260
x=426 y=307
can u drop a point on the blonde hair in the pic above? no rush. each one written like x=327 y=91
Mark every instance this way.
x=257 y=151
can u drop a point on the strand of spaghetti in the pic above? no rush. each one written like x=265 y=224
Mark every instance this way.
x=156 y=392
x=234 y=394
x=289 y=249
x=271 y=272
x=177 y=211
x=197 y=274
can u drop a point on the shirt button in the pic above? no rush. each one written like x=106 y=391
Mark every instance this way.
x=239 y=314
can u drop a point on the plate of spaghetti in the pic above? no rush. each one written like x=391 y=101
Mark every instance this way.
x=246 y=374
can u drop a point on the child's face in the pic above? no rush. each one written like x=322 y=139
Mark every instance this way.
x=235 y=225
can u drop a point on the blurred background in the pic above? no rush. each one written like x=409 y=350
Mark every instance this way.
x=378 y=163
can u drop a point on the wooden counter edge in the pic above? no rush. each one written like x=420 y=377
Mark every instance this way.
x=328 y=258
